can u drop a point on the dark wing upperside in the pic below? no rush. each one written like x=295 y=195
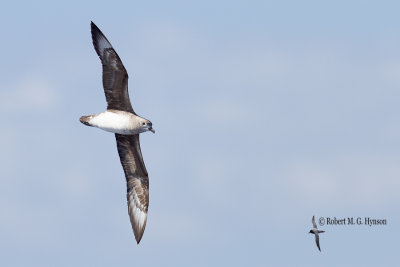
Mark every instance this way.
x=317 y=240
x=115 y=77
x=137 y=181
x=313 y=222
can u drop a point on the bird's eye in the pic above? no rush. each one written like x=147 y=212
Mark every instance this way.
x=143 y=123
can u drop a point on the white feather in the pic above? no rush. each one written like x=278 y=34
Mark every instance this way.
x=137 y=209
x=116 y=122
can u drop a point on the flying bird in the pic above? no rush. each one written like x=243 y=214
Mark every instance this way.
x=316 y=232
x=120 y=119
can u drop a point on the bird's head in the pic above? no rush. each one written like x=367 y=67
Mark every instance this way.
x=146 y=125
x=310 y=232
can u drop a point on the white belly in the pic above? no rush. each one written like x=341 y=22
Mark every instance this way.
x=120 y=122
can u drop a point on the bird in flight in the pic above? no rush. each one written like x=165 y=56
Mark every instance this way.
x=120 y=119
x=316 y=232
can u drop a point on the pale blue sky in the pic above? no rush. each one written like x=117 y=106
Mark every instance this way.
x=266 y=113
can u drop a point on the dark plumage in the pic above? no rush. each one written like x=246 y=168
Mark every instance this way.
x=137 y=180
x=115 y=77
x=316 y=232
x=119 y=119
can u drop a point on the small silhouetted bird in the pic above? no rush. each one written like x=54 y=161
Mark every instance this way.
x=316 y=232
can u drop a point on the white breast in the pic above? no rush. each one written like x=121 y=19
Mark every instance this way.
x=120 y=122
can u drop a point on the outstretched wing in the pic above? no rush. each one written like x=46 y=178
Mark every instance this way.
x=115 y=77
x=317 y=240
x=313 y=222
x=137 y=181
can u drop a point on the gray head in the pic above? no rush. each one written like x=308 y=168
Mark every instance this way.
x=146 y=125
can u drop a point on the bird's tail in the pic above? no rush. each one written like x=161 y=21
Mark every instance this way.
x=86 y=120
x=320 y=231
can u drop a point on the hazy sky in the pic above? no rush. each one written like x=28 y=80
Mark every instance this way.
x=266 y=113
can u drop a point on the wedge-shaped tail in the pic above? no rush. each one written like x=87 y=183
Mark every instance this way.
x=86 y=120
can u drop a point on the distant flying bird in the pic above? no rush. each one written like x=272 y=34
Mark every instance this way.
x=119 y=118
x=316 y=232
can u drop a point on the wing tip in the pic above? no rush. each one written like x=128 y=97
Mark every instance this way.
x=99 y=39
x=138 y=237
x=138 y=217
x=94 y=28
x=95 y=33
x=138 y=231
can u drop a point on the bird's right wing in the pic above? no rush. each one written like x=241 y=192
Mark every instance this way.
x=137 y=181
x=313 y=222
x=317 y=240
x=115 y=77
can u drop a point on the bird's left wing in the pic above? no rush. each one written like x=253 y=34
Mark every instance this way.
x=137 y=181
x=115 y=76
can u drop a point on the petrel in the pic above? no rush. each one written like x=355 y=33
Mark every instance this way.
x=316 y=232
x=120 y=119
